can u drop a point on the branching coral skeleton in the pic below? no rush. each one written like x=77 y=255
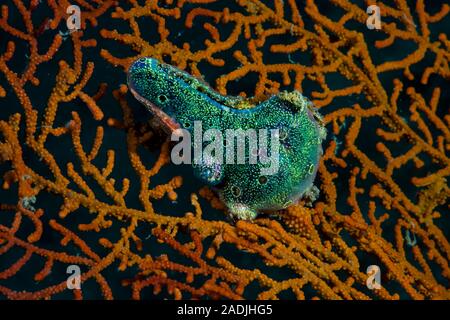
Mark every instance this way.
x=320 y=247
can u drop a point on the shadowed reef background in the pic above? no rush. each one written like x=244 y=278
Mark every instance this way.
x=86 y=180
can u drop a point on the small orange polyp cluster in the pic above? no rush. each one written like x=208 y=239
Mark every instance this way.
x=378 y=132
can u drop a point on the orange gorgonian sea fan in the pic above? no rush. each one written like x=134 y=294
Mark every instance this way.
x=87 y=180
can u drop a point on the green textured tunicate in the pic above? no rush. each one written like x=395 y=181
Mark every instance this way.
x=180 y=100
